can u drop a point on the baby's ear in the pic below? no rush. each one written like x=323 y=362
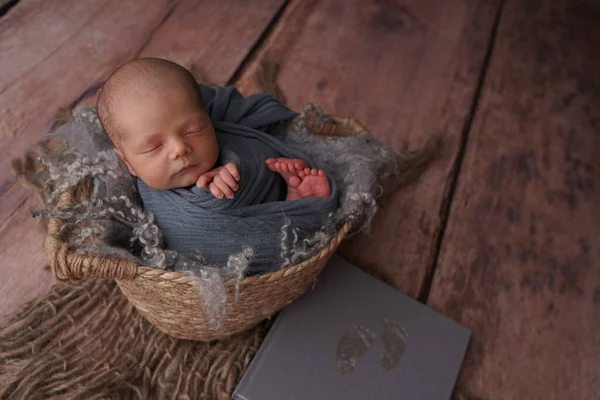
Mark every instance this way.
x=124 y=159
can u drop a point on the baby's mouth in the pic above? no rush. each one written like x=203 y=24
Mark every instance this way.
x=188 y=167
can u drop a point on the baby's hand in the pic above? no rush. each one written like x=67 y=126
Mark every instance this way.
x=221 y=181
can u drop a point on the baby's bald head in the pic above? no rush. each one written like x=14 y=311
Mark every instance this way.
x=140 y=77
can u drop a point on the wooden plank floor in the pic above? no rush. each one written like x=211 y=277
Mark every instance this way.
x=500 y=233
x=520 y=256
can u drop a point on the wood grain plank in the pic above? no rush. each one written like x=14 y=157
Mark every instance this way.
x=405 y=69
x=215 y=35
x=35 y=29
x=23 y=278
x=520 y=262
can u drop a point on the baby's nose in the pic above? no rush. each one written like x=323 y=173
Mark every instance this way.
x=179 y=148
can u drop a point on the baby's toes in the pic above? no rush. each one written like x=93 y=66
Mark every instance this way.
x=294 y=181
x=306 y=171
x=314 y=172
x=302 y=174
x=321 y=172
x=272 y=165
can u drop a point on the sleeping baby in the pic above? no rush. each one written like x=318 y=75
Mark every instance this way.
x=206 y=167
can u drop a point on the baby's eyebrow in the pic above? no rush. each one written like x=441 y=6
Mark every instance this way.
x=197 y=120
x=200 y=126
x=154 y=136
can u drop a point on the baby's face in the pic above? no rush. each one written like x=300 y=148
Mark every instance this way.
x=168 y=139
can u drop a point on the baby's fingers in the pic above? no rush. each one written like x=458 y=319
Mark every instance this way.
x=203 y=181
x=233 y=170
x=225 y=189
x=214 y=189
x=206 y=178
x=229 y=179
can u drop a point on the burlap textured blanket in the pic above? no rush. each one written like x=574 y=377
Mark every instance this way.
x=86 y=341
x=193 y=220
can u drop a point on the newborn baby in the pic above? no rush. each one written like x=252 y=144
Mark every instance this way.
x=206 y=168
x=153 y=111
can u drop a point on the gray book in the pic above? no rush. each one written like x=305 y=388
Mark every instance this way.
x=355 y=337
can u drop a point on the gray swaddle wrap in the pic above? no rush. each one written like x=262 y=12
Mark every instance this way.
x=192 y=219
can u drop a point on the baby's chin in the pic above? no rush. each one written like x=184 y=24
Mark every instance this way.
x=174 y=183
x=181 y=179
x=187 y=178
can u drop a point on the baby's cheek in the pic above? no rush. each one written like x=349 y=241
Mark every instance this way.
x=158 y=171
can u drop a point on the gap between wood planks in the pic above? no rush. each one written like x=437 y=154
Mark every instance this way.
x=267 y=32
x=446 y=205
x=5 y=6
x=18 y=208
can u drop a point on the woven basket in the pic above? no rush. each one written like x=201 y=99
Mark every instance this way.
x=170 y=300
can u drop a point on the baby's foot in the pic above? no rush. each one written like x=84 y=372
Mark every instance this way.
x=288 y=168
x=314 y=183
x=302 y=181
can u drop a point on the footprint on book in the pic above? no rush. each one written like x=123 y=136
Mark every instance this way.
x=394 y=336
x=352 y=346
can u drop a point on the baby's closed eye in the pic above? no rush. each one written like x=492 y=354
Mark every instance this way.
x=151 y=148
x=195 y=130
